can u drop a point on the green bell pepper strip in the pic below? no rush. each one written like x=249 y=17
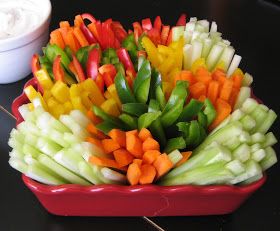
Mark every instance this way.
x=175 y=143
x=52 y=51
x=140 y=62
x=172 y=115
x=140 y=47
x=146 y=119
x=82 y=54
x=105 y=126
x=120 y=68
x=130 y=121
x=110 y=53
x=160 y=97
x=153 y=106
x=209 y=111
x=178 y=93
x=141 y=85
x=194 y=134
x=114 y=60
x=69 y=52
x=202 y=119
x=190 y=110
x=203 y=133
x=183 y=127
x=158 y=132
x=105 y=60
x=155 y=82
x=108 y=118
x=135 y=109
x=123 y=89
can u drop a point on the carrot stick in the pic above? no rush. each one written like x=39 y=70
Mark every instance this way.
x=233 y=96
x=94 y=119
x=226 y=89
x=162 y=164
x=197 y=90
x=202 y=98
x=148 y=173
x=213 y=91
x=150 y=144
x=63 y=32
x=109 y=145
x=71 y=41
x=95 y=141
x=123 y=157
x=118 y=136
x=223 y=111
x=56 y=38
x=133 y=132
x=237 y=80
x=64 y=24
x=134 y=145
x=78 y=20
x=203 y=75
x=72 y=68
x=138 y=161
x=187 y=76
x=103 y=161
x=133 y=173
x=94 y=131
x=150 y=156
x=80 y=36
x=219 y=75
x=145 y=134
x=186 y=156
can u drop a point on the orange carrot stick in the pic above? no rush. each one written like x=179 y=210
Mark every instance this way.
x=109 y=145
x=197 y=90
x=150 y=156
x=203 y=75
x=237 y=80
x=187 y=76
x=233 y=96
x=94 y=119
x=56 y=38
x=80 y=36
x=148 y=173
x=103 y=161
x=226 y=89
x=94 y=141
x=150 y=144
x=213 y=91
x=133 y=173
x=71 y=41
x=78 y=20
x=162 y=164
x=64 y=24
x=94 y=131
x=145 y=134
x=123 y=157
x=138 y=161
x=134 y=145
x=186 y=156
x=118 y=136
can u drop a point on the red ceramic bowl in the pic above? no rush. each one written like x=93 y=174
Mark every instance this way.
x=141 y=200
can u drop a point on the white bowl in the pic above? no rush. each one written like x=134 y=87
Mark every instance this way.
x=16 y=52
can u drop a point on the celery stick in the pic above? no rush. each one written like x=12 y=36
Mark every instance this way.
x=55 y=136
x=252 y=169
x=71 y=139
x=187 y=52
x=225 y=133
x=242 y=153
x=205 y=24
x=47 y=146
x=29 y=127
x=177 y=32
x=211 y=174
x=17 y=154
x=18 y=164
x=237 y=115
x=258 y=155
x=252 y=179
x=266 y=124
x=208 y=156
x=247 y=80
x=44 y=120
x=28 y=149
x=196 y=51
x=214 y=27
x=249 y=105
x=79 y=118
x=232 y=143
x=259 y=115
x=86 y=171
x=60 y=170
x=175 y=156
x=26 y=114
x=31 y=139
x=236 y=167
x=248 y=122
x=244 y=137
x=207 y=45
x=258 y=138
x=13 y=143
x=255 y=147
x=234 y=64
x=93 y=149
x=270 y=158
x=38 y=111
x=244 y=93
x=270 y=140
x=77 y=129
x=17 y=135
x=114 y=176
x=214 y=56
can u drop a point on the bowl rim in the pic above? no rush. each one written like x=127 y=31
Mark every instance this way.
x=6 y=44
x=70 y=188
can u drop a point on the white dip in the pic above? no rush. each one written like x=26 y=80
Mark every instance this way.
x=20 y=16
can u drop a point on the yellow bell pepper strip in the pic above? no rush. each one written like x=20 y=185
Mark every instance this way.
x=107 y=95
x=86 y=99
x=95 y=94
x=57 y=69
x=60 y=92
x=47 y=94
x=113 y=92
x=110 y=107
x=44 y=79
x=151 y=51
x=32 y=94
x=77 y=104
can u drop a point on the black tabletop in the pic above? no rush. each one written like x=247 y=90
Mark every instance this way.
x=253 y=27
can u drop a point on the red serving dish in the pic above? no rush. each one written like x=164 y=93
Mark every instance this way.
x=140 y=200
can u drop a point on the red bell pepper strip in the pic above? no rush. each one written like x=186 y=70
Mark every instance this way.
x=93 y=63
x=158 y=23
x=58 y=71
x=108 y=80
x=154 y=35
x=147 y=24
x=100 y=82
x=137 y=31
x=96 y=30
x=164 y=34
x=169 y=39
x=89 y=17
x=87 y=33
x=126 y=61
x=108 y=68
x=79 y=70
x=182 y=20
x=35 y=64
x=119 y=31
